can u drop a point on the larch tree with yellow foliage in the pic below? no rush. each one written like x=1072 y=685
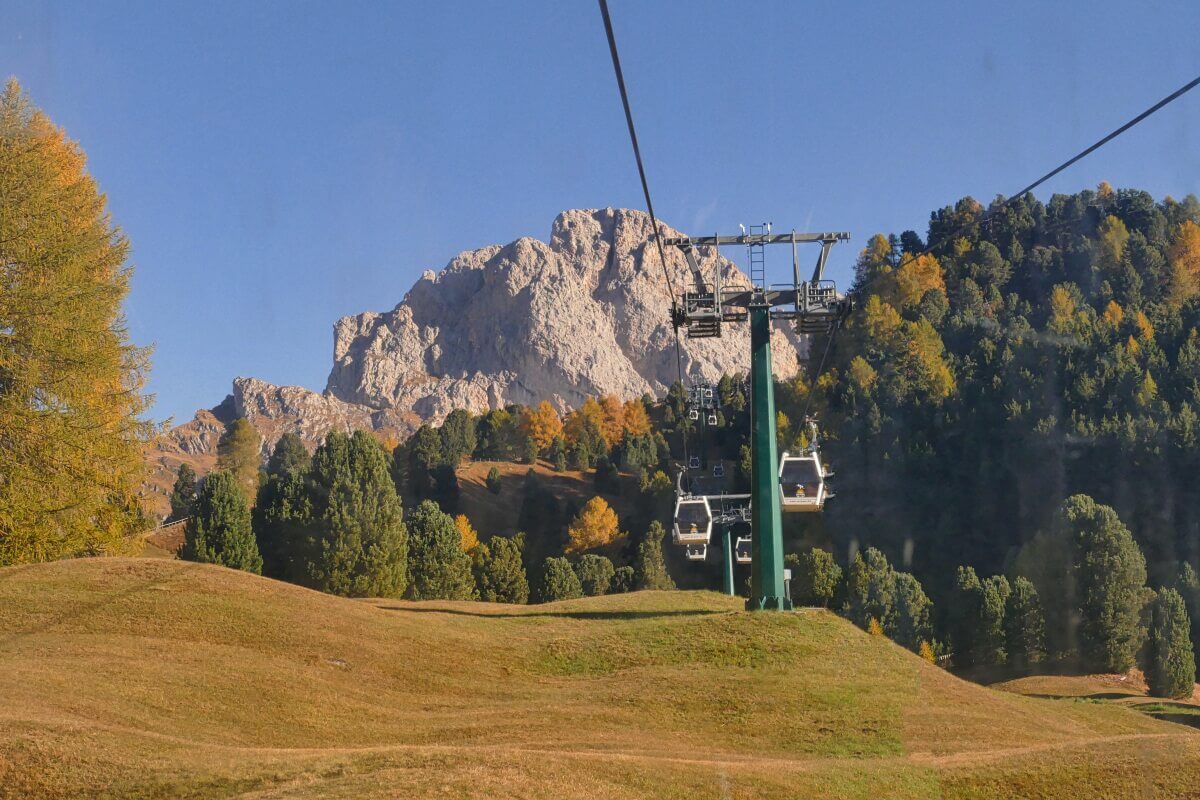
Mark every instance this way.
x=595 y=526
x=1184 y=258
x=612 y=419
x=467 y=534
x=71 y=382
x=636 y=420
x=542 y=424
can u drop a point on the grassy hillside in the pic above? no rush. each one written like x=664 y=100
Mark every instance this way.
x=153 y=678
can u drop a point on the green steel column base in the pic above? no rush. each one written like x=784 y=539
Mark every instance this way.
x=769 y=604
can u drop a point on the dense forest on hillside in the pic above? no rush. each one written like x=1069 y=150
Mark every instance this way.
x=1050 y=351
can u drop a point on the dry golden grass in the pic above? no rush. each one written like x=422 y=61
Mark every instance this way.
x=152 y=678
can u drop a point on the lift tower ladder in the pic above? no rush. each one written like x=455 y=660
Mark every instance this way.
x=813 y=306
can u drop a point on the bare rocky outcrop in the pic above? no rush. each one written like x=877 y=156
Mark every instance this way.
x=586 y=313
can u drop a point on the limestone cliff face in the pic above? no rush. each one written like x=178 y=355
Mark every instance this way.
x=583 y=314
x=586 y=313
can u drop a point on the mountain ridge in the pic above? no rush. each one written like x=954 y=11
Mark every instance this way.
x=582 y=314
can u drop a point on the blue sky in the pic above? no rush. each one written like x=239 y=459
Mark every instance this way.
x=277 y=165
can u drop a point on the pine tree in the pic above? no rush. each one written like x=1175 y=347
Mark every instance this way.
x=239 y=452
x=1188 y=586
x=624 y=580
x=595 y=574
x=219 y=532
x=1024 y=626
x=1172 y=668
x=71 y=437
x=502 y=577
x=493 y=481
x=558 y=454
x=911 y=626
x=559 y=581
x=1111 y=573
x=284 y=525
x=183 y=493
x=288 y=455
x=816 y=577
x=458 y=436
x=871 y=588
x=439 y=568
x=650 y=568
x=360 y=546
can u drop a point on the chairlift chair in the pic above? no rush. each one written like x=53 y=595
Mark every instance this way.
x=741 y=550
x=693 y=521
x=802 y=482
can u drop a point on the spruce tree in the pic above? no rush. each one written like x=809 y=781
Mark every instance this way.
x=71 y=433
x=239 y=452
x=439 y=568
x=493 y=481
x=360 y=545
x=1024 y=626
x=219 y=532
x=502 y=577
x=650 y=568
x=183 y=493
x=1171 y=671
x=595 y=574
x=559 y=581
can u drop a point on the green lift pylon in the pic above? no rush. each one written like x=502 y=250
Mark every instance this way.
x=766 y=527
x=815 y=307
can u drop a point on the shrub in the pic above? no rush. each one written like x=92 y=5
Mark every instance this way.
x=493 y=481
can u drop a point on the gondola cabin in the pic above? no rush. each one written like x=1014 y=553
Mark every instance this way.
x=695 y=552
x=741 y=550
x=802 y=482
x=693 y=521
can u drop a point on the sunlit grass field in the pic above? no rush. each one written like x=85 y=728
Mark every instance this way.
x=140 y=678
